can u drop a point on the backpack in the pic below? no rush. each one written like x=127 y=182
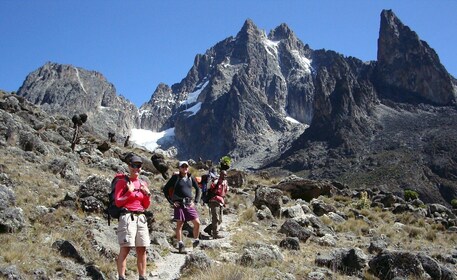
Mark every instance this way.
x=205 y=192
x=216 y=193
x=219 y=190
x=113 y=211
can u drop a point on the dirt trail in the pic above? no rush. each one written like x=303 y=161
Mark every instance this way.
x=170 y=266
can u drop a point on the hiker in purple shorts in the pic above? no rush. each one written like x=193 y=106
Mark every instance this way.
x=178 y=191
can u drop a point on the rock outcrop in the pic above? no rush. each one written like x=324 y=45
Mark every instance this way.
x=69 y=90
x=408 y=69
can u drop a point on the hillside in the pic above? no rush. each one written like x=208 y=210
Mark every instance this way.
x=52 y=226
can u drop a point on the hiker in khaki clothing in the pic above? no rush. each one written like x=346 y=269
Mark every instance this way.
x=216 y=204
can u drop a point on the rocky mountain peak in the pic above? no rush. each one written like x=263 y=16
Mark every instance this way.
x=281 y=32
x=284 y=34
x=249 y=29
x=370 y=113
x=69 y=90
x=408 y=69
x=154 y=114
x=392 y=26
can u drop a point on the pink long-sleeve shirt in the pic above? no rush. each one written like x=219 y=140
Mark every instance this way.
x=133 y=201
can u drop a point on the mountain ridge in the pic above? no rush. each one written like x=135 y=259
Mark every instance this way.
x=237 y=97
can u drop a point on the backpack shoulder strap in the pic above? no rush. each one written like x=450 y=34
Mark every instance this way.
x=122 y=177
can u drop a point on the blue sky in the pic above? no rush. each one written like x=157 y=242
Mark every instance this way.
x=138 y=44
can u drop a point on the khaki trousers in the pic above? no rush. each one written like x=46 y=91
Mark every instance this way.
x=216 y=217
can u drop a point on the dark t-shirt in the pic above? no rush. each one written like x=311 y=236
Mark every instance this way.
x=182 y=188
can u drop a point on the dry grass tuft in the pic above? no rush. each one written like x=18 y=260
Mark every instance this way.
x=345 y=200
x=357 y=226
x=224 y=272
x=248 y=215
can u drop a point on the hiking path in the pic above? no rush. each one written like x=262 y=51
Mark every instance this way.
x=169 y=267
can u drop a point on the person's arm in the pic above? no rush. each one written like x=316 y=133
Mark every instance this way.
x=167 y=187
x=197 y=190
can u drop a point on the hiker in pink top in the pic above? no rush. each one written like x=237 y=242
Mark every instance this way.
x=134 y=197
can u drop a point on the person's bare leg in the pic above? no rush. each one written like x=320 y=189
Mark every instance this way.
x=196 y=232
x=179 y=225
x=122 y=260
x=141 y=260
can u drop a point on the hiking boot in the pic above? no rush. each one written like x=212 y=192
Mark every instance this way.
x=195 y=243
x=181 y=248
x=142 y=278
x=121 y=278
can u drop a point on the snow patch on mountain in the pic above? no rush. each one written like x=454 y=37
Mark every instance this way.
x=79 y=80
x=271 y=47
x=303 y=61
x=150 y=139
x=292 y=120
x=193 y=96
x=194 y=109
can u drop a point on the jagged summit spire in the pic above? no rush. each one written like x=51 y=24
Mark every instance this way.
x=408 y=67
x=248 y=25
x=281 y=32
x=249 y=29
x=391 y=26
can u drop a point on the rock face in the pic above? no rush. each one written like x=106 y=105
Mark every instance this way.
x=244 y=89
x=378 y=124
x=408 y=69
x=70 y=90
x=155 y=113
x=236 y=97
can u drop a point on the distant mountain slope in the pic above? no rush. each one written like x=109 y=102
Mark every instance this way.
x=386 y=123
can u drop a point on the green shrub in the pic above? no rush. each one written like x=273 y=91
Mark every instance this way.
x=410 y=195
x=225 y=162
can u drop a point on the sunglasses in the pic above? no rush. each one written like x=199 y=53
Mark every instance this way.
x=136 y=165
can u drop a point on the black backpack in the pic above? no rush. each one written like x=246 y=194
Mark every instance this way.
x=207 y=194
x=113 y=211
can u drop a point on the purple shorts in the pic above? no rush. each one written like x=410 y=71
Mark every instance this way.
x=185 y=213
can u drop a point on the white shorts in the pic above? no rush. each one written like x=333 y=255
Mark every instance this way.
x=133 y=232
